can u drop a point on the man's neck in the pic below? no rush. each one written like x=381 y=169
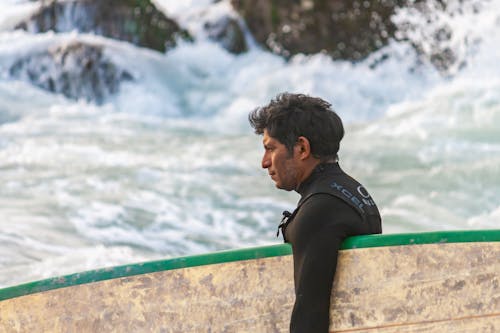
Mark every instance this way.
x=318 y=168
x=308 y=169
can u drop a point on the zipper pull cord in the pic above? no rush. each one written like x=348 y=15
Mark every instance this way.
x=284 y=222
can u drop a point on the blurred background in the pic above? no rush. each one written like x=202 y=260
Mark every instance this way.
x=124 y=133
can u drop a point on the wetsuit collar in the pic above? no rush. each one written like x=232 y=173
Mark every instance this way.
x=317 y=172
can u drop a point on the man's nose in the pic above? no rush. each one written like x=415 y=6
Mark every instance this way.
x=266 y=161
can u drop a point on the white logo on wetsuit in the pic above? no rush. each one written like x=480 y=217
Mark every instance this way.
x=366 y=197
x=348 y=195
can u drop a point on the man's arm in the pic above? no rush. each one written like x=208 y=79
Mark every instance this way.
x=320 y=226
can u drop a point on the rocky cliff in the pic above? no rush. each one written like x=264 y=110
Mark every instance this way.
x=135 y=21
x=348 y=30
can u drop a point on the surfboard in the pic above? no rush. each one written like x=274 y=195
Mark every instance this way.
x=426 y=282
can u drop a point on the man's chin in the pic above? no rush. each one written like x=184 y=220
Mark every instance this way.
x=282 y=187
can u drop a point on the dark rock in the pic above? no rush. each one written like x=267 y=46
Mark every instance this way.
x=134 y=21
x=228 y=33
x=348 y=30
x=344 y=29
x=77 y=70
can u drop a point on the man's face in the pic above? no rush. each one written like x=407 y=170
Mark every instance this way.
x=282 y=166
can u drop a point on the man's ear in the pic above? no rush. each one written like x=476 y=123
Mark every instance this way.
x=303 y=147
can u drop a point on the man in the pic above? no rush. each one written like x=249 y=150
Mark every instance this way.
x=301 y=136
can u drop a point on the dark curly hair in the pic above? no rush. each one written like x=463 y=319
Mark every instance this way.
x=289 y=116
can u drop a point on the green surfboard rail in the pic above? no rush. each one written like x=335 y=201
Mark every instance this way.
x=356 y=242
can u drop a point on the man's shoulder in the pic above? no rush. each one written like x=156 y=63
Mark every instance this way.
x=325 y=206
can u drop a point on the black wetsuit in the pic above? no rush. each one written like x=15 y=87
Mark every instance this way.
x=333 y=206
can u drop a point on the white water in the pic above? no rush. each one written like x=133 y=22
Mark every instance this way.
x=171 y=167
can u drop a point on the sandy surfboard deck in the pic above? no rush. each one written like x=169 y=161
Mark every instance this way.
x=428 y=282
